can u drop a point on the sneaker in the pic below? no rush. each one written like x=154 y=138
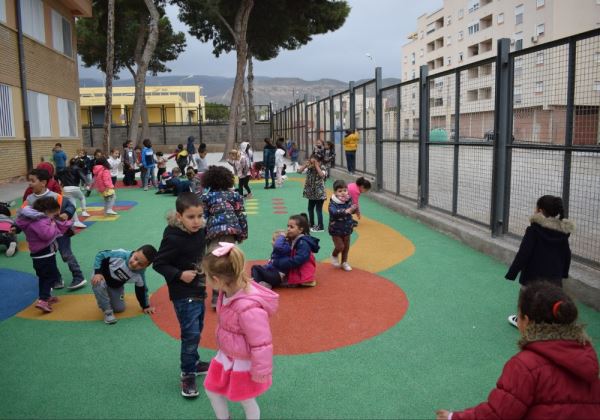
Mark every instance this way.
x=335 y=261
x=77 y=284
x=53 y=299
x=266 y=187
x=145 y=188
x=12 y=248
x=188 y=386
x=58 y=285
x=309 y=284
x=111 y=212
x=272 y=186
x=317 y=229
x=512 y=320
x=346 y=267
x=249 y=196
x=85 y=214
x=79 y=225
x=202 y=367
x=109 y=318
x=44 y=305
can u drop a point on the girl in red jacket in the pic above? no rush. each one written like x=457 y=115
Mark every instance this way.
x=104 y=185
x=242 y=368
x=555 y=375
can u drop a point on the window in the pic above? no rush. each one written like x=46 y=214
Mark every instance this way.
x=517 y=95
x=430 y=28
x=461 y=13
x=539 y=30
x=598 y=57
x=518 y=41
x=539 y=3
x=405 y=59
x=473 y=5
x=449 y=40
x=61 y=34
x=422 y=35
x=412 y=58
x=67 y=118
x=7 y=126
x=473 y=28
x=39 y=114
x=539 y=87
x=519 y=14
x=413 y=76
x=32 y=12
x=460 y=56
x=448 y=61
x=461 y=35
x=421 y=52
x=448 y=20
x=2 y=10
x=596 y=87
x=500 y=18
x=539 y=58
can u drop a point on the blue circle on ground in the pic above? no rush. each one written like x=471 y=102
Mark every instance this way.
x=17 y=291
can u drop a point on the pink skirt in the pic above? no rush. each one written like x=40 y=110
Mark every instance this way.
x=231 y=378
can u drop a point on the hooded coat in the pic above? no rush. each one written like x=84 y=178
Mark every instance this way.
x=40 y=230
x=554 y=376
x=243 y=331
x=300 y=266
x=340 y=222
x=102 y=178
x=544 y=253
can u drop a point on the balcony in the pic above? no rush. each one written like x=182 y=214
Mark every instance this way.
x=439 y=43
x=486 y=22
x=485 y=46
x=473 y=50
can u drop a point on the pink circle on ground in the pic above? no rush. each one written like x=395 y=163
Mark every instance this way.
x=280 y=212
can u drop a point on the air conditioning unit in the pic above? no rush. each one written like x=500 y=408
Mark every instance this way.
x=534 y=39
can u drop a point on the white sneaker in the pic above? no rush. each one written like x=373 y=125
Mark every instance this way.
x=79 y=225
x=12 y=248
x=512 y=320
x=85 y=214
x=335 y=261
x=109 y=318
x=346 y=267
x=111 y=212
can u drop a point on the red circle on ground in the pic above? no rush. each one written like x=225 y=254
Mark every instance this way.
x=344 y=308
x=277 y=200
x=279 y=207
x=280 y=212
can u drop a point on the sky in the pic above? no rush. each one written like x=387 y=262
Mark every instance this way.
x=378 y=28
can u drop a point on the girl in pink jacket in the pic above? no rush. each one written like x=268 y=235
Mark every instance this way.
x=103 y=183
x=242 y=368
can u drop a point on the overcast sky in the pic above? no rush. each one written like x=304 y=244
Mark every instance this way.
x=375 y=27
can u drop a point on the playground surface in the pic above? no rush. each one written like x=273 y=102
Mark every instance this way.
x=419 y=324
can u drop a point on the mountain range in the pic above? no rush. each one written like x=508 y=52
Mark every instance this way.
x=279 y=90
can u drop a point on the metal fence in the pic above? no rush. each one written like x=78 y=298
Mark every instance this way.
x=482 y=141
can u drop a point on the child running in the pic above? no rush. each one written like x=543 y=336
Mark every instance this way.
x=544 y=253
x=340 y=224
x=241 y=168
x=104 y=185
x=181 y=250
x=555 y=375
x=242 y=369
x=112 y=270
x=355 y=189
x=42 y=225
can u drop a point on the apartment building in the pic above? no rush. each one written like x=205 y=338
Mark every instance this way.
x=51 y=79
x=466 y=31
x=171 y=104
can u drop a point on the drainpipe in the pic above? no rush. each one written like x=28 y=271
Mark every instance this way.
x=23 y=77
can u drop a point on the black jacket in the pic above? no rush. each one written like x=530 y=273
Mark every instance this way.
x=180 y=251
x=72 y=176
x=269 y=155
x=544 y=253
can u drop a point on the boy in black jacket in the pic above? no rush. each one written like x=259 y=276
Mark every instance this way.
x=180 y=253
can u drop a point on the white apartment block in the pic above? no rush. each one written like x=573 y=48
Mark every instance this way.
x=466 y=31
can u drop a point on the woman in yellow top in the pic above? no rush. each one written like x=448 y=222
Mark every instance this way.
x=350 y=145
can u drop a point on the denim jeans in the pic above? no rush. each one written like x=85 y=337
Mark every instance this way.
x=64 y=247
x=269 y=174
x=190 y=313
x=318 y=205
x=351 y=161
x=148 y=177
x=48 y=274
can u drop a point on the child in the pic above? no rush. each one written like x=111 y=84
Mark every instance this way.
x=201 y=161
x=294 y=156
x=148 y=164
x=181 y=249
x=85 y=162
x=51 y=184
x=161 y=164
x=8 y=230
x=112 y=269
x=319 y=152
x=191 y=150
x=279 y=164
x=181 y=157
x=340 y=223
x=355 y=189
x=70 y=179
x=267 y=274
x=223 y=210
x=299 y=266
x=242 y=369
x=241 y=168
x=167 y=183
x=194 y=180
x=38 y=179
x=555 y=375
x=129 y=162
x=114 y=160
x=544 y=253
x=59 y=157
x=104 y=185
x=42 y=226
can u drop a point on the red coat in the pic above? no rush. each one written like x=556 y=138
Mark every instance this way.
x=552 y=379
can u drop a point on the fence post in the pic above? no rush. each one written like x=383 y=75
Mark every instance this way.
x=423 y=182
x=456 y=146
x=312 y=143
x=271 y=128
x=331 y=122
x=305 y=139
x=163 y=115
x=352 y=107
x=566 y=192
x=378 y=131
x=502 y=134
x=127 y=121
x=91 y=117
x=398 y=135
x=200 y=123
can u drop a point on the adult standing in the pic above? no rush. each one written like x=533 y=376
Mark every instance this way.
x=314 y=191
x=191 y=149
x=350 y=145
x=269 y=163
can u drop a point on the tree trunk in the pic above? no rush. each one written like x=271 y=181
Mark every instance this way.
x=250 y=104
x=142 y=68
x=241 y=49
x=110 y=61
x=243 y=110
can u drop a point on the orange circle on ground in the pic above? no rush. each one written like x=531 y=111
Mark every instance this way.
x=344 y=308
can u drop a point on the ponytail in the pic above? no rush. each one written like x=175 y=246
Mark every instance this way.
x=229 y=267
x=551 y=206
x=545 y=302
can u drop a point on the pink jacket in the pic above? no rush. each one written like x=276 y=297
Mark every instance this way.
x=354 y=193
x=102 y=179
x=40 y=230
x=243 y=330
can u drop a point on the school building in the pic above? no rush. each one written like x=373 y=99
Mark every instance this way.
x=39 y=81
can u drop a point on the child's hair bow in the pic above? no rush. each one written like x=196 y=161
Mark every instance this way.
x=223 y=249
